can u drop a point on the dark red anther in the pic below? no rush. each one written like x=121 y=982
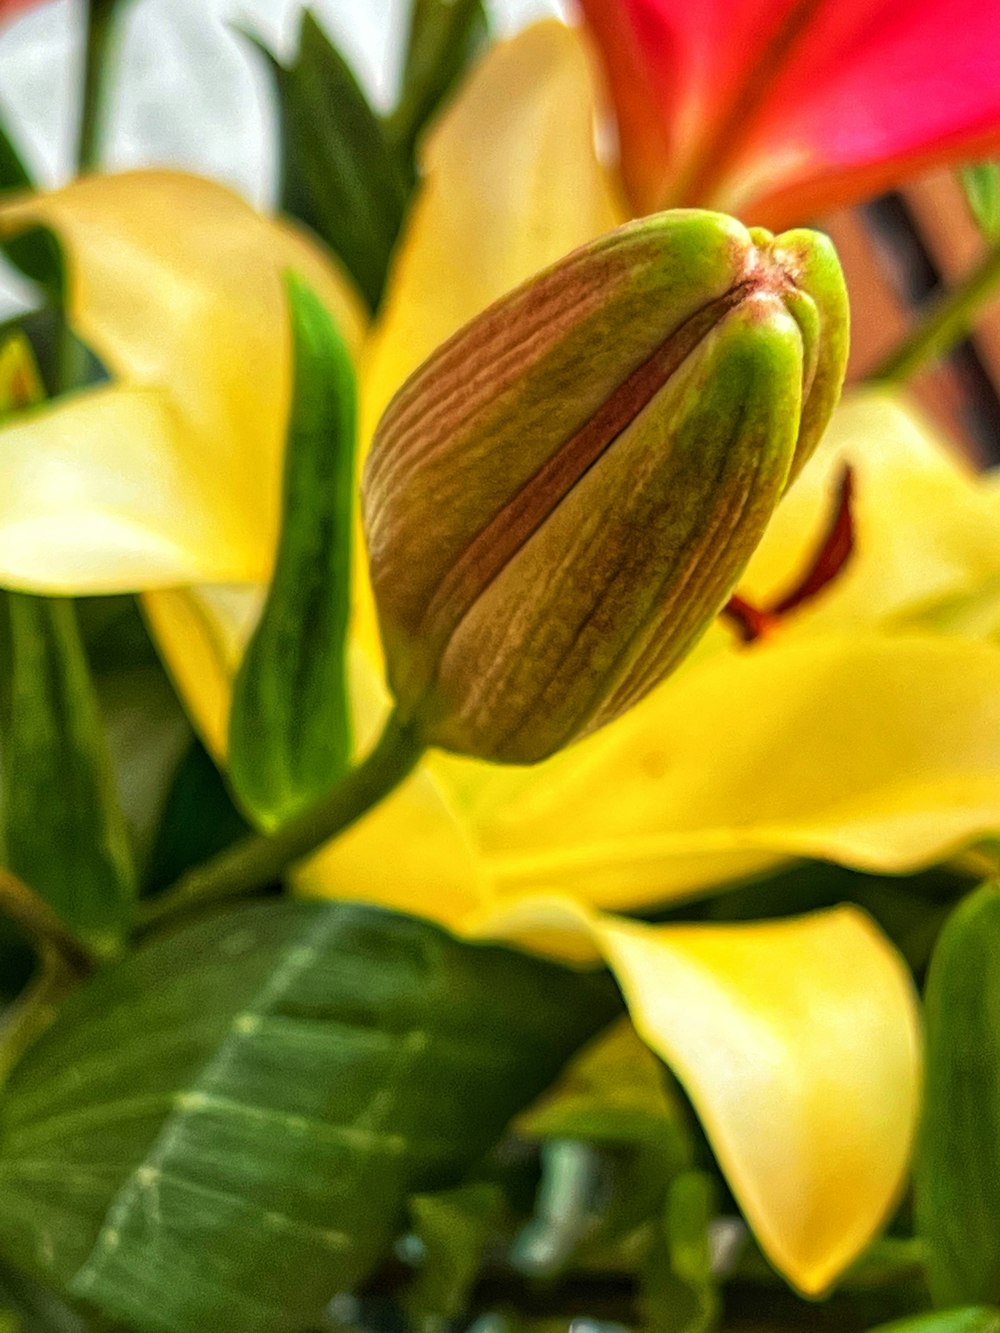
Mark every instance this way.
x=752 y=623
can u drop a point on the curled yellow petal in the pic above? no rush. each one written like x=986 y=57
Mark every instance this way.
x=176 y=283
x=96 y=495
x=798 y=1043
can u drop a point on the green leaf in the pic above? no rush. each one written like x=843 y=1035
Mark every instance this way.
x=63 y=831
x=27 y=1308
x=221 y=1131
x=199 y=820
x=445 y=36
x=679 y=1294
x=616 y=1096
x=957 y=1166
x=36 y=253
x=981 y=183
x=342 y=177
x=969 y=1319
x=288 y=732
x=453 y=1228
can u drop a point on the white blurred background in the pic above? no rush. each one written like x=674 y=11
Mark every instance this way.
x=191 y=92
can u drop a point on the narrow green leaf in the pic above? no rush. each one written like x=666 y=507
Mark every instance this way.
x=981 y=183
x=341 y=175
x=957 y=1167
x=288 y=737
x=36 y=253
x=445 y=36
x=679 y=1293
x=221 y=1131
x=63 y=830
x=969 y=1319
x=199 y=820
x=453 y=1227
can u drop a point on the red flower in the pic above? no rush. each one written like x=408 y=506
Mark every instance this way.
x=782 y=109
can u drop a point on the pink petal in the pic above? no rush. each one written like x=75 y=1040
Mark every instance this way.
x=780 y=108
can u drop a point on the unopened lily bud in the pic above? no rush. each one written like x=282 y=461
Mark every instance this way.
x=559 y=501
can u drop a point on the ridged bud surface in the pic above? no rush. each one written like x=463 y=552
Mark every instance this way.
x=559 y=501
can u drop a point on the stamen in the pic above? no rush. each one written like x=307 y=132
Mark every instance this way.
x=752 y=623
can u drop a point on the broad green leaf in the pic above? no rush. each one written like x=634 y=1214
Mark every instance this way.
x=288 y=730
x=27 y=1308
x=957 y=1167
x=453 y=1228
x=969 y=1319
x=63 y=830
x=341 y=175
x=981 y=183
x=221 y=1131
x=445 y=36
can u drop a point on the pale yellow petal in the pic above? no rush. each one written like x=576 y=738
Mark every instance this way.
x=97 y=495
x=874 y=751
x=511 y=183
x=798 y=1044
x=177 y=285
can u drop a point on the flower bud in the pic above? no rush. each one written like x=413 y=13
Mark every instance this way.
x=559 y=501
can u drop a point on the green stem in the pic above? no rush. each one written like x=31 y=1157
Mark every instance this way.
x=42 y=926
x=947 y=320
x=259 y=860
x=96 y=63
x=34 y=1010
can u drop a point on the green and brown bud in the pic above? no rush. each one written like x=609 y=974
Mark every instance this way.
x=560 y=499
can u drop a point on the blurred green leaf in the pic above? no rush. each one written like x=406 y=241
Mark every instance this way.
x=288 y=733
x=969 y=1319
x=981 y=183
x=341 y=175
x=63 y=831
x=453 y=1228
x=445 y=36
x=957 y=1165
x=679 y=1294
x=616 y=1095
x=221 y=1131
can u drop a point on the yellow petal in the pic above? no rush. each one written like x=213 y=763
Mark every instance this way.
x=176 y=284
x=925 y=523
x=96 y=496
x=511 y=183
x=798 y=1044
x=874 y=751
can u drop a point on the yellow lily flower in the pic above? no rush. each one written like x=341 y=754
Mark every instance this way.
x=858 y=732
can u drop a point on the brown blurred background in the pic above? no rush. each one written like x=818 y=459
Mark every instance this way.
x=897 y=251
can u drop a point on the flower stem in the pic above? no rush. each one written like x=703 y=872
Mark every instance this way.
x=96 y=63
x=259 y=860
x=949 y=317
x=35 y=1008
